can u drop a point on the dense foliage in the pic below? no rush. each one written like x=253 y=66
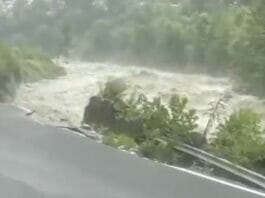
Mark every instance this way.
x=226 y=37
x=239 y=138
x=161 y=126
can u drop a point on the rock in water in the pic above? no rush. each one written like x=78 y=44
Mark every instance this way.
x=101 y=112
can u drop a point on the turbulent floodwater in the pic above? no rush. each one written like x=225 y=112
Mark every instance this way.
x=62 y=101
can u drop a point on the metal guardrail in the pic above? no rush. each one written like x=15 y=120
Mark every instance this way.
x=239 y=171
x=226 y=165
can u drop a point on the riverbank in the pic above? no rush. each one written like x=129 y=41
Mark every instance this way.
x=62 y=101
x=23 y=65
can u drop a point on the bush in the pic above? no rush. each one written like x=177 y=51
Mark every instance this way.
x=118 y=140
x=156 y=127
x=113 y=89
x=158 y=150
x=240 y=139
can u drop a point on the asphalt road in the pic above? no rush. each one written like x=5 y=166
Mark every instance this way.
x=39 y=161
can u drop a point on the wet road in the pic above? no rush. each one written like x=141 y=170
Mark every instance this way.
x=42 y=161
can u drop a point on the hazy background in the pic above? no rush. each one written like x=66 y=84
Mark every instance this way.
x=216 y=36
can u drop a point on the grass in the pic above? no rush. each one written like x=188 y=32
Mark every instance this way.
x=36 y=66
x=121 y=141
x=23 y=65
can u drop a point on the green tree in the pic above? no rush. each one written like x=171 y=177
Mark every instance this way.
x=240 y=138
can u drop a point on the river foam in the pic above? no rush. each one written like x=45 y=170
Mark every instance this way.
x=61 y=101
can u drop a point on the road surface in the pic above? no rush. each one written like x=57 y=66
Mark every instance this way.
x=39 y=161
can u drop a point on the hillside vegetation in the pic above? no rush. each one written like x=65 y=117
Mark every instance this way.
x=23 y=65
x=223 y=37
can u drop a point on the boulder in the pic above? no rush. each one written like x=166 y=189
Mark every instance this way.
x=101 y=112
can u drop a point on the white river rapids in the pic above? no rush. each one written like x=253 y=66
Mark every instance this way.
x=62 y=101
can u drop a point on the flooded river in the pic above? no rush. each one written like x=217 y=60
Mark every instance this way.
x=61 y=101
